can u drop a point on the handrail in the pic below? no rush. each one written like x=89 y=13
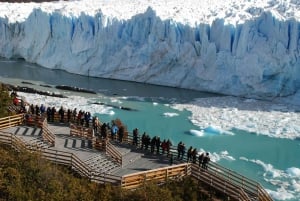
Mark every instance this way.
x=234 y=184
x=11 y=121
x=47 y=134
x=249 y=186
x=218 y=183
x=103 y=177
x=113 y=152
x=159 y=175
x=81 y=131
x=13 y=108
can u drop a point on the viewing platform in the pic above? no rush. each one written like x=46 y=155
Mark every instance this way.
x=109 y=161
x=135 y=160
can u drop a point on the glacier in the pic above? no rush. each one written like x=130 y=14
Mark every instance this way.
x=253 y=54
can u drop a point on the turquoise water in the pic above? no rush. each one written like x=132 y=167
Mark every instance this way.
x=262 y=158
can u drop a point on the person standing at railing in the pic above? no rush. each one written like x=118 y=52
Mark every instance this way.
x=157 y=144
x=61 y=112
x=179 y=150
x=121 y=134
x=168 y=145
x=183 y=149
x=53 y=111
x=152 y=144
x=164 y=146
x=114 y=131
x=96 y=125
x=200 y=159
x=74 y=113
x=103 y=130
x=147 y=141
x=194 y=155
x=171 y=159
x=206 y=160
x=42 y=109
x=37 y=110
x=69 y=114
x=48 y=111
x=26 y=107
x=143 y=140
x=189 y=154
x=32 y=109
x=135 y=137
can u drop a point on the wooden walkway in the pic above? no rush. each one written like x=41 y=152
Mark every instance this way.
x=135 y=159
x=118 y=163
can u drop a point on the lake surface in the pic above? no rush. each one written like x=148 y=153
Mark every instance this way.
x=274 y=162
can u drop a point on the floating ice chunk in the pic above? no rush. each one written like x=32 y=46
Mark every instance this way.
x=280 y=194
x=170 y=114
x=197 y=133
x=213 y=130
x=226 y=156
x=217 y=131
x=270 y=171
x=293 y=172
x=296 y=185
x=215 y=157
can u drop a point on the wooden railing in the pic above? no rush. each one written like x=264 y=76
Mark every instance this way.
x=13 y=109
x=114 y=153
x=81 y=131
x=230 y=183
x=11 y=121
x=11 y=140
x=47 y=135
x=99 y=144
x=158 y=176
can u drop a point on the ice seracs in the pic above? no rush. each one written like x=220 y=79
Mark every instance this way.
x=241 y=48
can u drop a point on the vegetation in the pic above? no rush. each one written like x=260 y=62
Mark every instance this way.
x=5 y=100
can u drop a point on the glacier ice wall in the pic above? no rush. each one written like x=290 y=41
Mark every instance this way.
x=258 y=59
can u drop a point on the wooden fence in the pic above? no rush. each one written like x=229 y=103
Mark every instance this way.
x=99 y=144
x=81 y=131
x=12 y=140
x=160 y=175
x=115 y=154
x=11 y=121
x=230 y=181
x=47 y=135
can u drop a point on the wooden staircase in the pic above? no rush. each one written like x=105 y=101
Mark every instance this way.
x=101 y=164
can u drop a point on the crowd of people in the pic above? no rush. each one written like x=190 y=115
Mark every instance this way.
x=116 y=131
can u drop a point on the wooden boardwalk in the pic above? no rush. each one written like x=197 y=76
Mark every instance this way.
x=136 y=160
x=118 y=163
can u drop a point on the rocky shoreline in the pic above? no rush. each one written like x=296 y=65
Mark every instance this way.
x=32 y=91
